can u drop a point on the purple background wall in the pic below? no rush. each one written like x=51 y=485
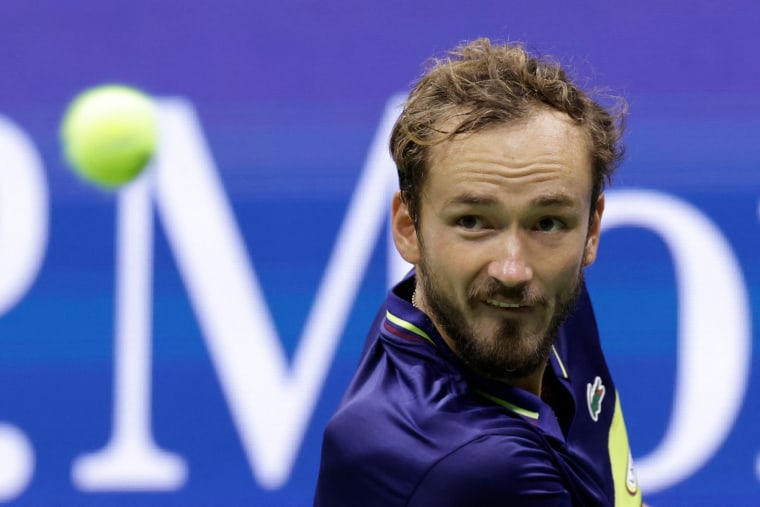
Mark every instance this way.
x=289 y=95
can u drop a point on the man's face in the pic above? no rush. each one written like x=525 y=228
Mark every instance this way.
x=502 y=239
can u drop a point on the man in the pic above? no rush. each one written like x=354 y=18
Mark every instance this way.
x=482 y=382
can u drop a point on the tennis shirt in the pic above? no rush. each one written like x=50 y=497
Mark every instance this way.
x=417 y=428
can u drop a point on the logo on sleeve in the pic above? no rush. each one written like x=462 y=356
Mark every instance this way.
x=631 y=482
x=594 y=396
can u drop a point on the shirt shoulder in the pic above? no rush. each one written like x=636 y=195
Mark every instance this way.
x=513 y=469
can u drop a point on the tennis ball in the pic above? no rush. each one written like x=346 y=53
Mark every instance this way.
x=109 y=134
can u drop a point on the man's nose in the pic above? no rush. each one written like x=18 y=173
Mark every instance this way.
x=510 y=266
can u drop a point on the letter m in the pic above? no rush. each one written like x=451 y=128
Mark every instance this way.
x=271 y=401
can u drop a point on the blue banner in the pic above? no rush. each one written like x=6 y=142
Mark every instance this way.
x=184 y=340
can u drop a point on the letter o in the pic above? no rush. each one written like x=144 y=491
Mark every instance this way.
x=23 y=213
x=710 y=382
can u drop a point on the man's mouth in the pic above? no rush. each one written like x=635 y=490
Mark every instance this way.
x=504 y=304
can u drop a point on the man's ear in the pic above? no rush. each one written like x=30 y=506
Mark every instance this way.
x=404 y=231
x=594 y=231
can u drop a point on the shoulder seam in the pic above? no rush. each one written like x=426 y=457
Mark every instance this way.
x=452 y=451
x=436 y=462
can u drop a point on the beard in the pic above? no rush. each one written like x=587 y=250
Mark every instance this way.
x=511 y=351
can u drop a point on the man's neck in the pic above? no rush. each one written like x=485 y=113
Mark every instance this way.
x=533 y=383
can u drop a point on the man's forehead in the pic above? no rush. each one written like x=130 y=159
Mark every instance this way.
x=546 y=157
x=562 y=125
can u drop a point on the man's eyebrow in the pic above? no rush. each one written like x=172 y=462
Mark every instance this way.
x=558 y=200
x=472 y=200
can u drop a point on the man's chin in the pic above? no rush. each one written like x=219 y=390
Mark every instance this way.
x=520 y=358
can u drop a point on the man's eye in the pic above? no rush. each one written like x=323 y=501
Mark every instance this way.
x=549 y=225
x=470 y=222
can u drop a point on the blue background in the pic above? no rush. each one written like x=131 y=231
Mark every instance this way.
x=289 y=94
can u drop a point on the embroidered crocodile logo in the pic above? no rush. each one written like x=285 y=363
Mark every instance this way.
x=594 y=395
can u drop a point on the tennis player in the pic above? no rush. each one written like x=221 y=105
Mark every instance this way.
x=482 y=381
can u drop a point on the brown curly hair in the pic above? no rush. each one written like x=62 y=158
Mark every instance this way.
x=480 y=84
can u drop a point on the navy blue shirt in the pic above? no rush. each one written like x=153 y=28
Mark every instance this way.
x=417 y=428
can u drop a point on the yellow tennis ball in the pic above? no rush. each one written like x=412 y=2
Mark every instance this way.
x=109 y=134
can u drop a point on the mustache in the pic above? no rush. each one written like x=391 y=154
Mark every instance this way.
x=522 y=294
